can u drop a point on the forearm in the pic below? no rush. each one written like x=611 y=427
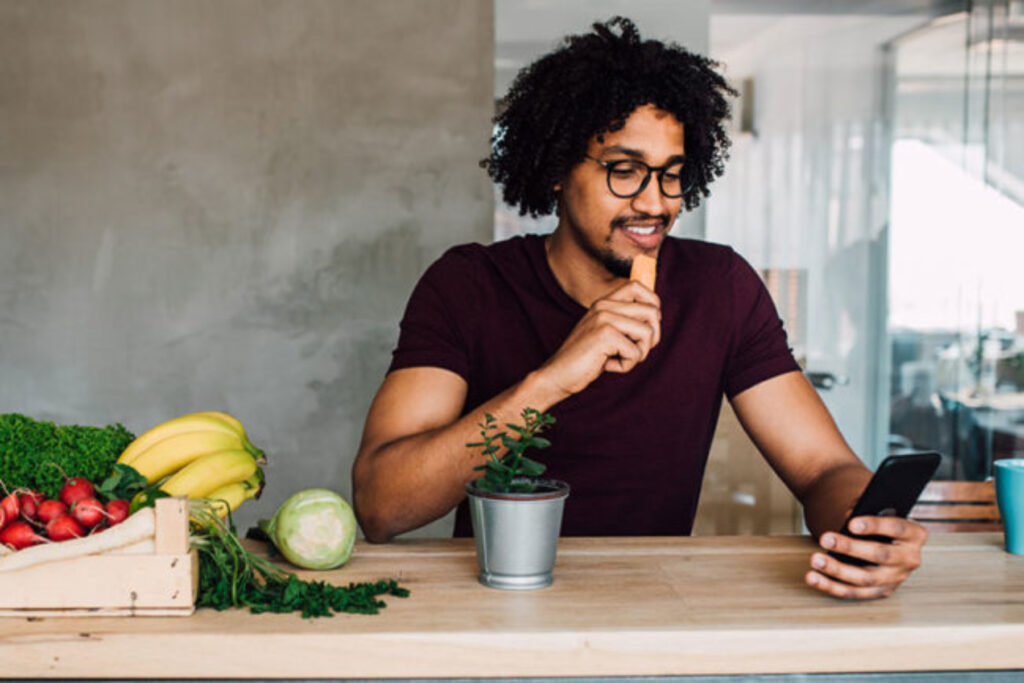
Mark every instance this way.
x=411 y=481
x=829 y=500
x=793 y=429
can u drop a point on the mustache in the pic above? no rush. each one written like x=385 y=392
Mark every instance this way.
x=620 y=222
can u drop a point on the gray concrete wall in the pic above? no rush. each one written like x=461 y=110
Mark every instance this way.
x=225 y=206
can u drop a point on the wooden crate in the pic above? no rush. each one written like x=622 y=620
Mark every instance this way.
x=163 y=583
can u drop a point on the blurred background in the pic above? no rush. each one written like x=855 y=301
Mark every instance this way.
x=224 y=205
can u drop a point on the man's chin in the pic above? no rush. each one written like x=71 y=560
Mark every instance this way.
x=617 y=265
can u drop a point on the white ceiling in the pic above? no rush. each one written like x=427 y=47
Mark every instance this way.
x=526 y=29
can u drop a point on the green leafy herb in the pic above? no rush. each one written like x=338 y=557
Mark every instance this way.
x=38 y=455
x=146 y=498
x=512 y=472
x=231 y=576
x=124 y=482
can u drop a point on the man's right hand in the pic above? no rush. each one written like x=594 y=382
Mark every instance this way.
x=616 y=333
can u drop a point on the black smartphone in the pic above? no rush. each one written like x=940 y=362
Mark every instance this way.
x=892 y=492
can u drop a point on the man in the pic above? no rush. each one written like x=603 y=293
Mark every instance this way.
x=615 y=134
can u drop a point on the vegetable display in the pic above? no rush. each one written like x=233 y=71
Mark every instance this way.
x=39 y=455
x=52 y=510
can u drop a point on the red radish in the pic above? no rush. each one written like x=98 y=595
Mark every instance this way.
x=20 y=535
x=11 y=505
x=88 y=512
x=75 y=489
x=30 y=504
x=117 y=511
x=48 y=510
x=129 y=536
x=64 y=527
x=3 y=518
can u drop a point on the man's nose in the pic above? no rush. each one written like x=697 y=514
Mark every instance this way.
x=650 y=201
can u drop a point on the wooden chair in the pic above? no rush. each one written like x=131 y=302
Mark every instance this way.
x=958 y=506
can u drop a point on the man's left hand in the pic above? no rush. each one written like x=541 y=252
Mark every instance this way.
x=895 y=561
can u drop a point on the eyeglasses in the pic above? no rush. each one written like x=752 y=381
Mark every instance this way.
x=629 y=177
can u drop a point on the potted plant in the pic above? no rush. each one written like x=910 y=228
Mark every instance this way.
x=516 y=515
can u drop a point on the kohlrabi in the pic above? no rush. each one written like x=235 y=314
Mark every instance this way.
x=313 y=529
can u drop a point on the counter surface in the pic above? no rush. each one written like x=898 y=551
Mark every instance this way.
x=629 y=606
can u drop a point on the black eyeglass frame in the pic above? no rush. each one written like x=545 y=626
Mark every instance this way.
x=660 y=170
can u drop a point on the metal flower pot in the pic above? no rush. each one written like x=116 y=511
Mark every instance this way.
x=517 y=534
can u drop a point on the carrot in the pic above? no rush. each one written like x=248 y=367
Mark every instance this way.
x=644 y=270
x=139 y=527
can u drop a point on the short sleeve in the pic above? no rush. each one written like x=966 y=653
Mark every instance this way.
x=434 y=328
x=759 y=348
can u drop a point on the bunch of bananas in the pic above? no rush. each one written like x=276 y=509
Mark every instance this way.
x=200 y=455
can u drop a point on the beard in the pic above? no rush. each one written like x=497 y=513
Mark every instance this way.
x=615 y=264
x=619 y=266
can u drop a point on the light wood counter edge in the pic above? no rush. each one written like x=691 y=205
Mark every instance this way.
x=607 y=653
x=186 y=649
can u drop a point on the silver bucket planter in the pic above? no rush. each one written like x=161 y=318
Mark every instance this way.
x=517 y=534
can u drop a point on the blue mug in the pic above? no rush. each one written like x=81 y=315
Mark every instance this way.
x=1010 y=498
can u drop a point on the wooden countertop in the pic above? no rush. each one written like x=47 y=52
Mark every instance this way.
x=635 y=606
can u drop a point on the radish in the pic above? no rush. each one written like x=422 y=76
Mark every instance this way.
x=3 y=518
x=63 y=527
x=75 y=489
x=88 y=512
x=11 y=506
x=139 y=527
x=48 y=510
x=117 y=511
x=20 y=535
x=30 y=504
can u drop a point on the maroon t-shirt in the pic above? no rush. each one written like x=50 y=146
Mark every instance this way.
x=631 y=446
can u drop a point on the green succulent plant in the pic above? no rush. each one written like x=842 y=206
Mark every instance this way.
x=512 y=472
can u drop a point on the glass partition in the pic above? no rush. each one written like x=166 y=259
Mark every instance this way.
x=956 y=282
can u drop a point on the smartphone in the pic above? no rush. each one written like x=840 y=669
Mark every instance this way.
x=892 y=492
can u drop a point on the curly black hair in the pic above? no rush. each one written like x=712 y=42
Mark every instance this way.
x=589 y=86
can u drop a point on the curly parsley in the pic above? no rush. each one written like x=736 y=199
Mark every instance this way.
x=231 y=576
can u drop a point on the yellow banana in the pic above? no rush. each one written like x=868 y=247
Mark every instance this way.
x=228 y=498
x=212 y=421
x=174 y=452
x=228 y=419
x=209 y=472
x=236 y=424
